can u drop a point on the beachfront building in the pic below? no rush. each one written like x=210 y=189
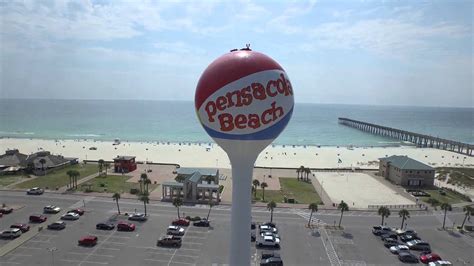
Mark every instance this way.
x=124 y=164
x=406 y=171
x=38 y=163
x=196 y=185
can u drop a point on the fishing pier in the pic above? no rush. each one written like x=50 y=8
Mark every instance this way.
x=420 y=140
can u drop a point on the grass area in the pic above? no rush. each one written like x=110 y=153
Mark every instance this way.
x=6 y=180
x=450 y=197
x=59 y=178
x=458 y=176
x=301 y=191
x=112 y=184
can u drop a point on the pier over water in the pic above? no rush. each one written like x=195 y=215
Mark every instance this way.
x=420 y=140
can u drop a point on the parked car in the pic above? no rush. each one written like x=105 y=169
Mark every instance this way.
x=35 y=191
x=268 y=233
x=105 y=226
x=6 y=210
x=418 y=245
x=202 y=223
x=401 y=232
x=268 y=228
x=253 y=226
x=77 y=211
x=70 y=216
x=389 y=242
x=439 y=262
x=51 y=209
x=406 y=238
x=268 y=241
x=59 y=225
x=272 y=261
x=388 y=235
x=11 y=233
x=398 y=248
x=175 y=230
x=431 y=257
x=407 y=257
x=169 y=241
x=88 y=241
x=253 y=237
x=1 y=215
x=37 y=218
x=124 y=226
x=23 y=227
x=180 y=222
x=271 y=224
x=380 y=230
x=137 y=217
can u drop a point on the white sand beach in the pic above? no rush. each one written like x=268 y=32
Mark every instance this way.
x=211 y=155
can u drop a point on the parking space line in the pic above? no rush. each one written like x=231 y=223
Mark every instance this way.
x=39 y=241
x=98 y=255
x=191 y=249
x=190 y=256
x=157 y=260
x=85 y=261
x=122 y=237
x=159 y=253
x=9 y=262
x=28 y=247
x=113 y=243
x=109 y=248
x=193 y=243
x=20 y=255
x=185 y=263
x=197 y=237
x=46 y=235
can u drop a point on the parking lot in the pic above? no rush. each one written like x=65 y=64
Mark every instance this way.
x=356 y=245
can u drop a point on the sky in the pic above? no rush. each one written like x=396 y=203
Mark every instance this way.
x=417 y=53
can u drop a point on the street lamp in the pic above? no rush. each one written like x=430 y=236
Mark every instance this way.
x=52 y=250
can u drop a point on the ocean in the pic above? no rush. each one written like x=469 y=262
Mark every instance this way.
x=175 y=121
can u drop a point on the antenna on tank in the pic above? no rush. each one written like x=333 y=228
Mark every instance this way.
x=247 y=47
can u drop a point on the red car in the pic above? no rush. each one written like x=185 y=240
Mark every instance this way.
x=427 y=258
x=23 y=227
x=88 y=240
x=180 y=222
x=124 y=226
x=6 y=210
x=77 y=211
x=37 y=218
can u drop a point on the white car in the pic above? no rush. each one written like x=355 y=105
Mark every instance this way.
x=35 y=191
x=398 y=248
x=175 y=230
x=51 y=209
x=268 y=229
x=268 y=241
x=137 y=217
x=440 y=262
x=11 y=233
x=70 y=216
x=268 y=233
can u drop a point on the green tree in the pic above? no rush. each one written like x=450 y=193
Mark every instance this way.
x=313 y=207
x=101 y=165
x=180 y=178
x=263 y=185
x=404 y=214
x=177 y=202
x=445 y=207
x=469 y=210
x=255 y=184
x=75 y=176
x=145 y=199
x=270 y=206
x=147 y=183
x=70 y=173
x=30 y=167
x=143 y=177
x=116 y=197
x=307 y=172
x=343 y=207
x=211 y=204
x=384 y=212
x=106 y=167
x=298 y=174
x=42 y=161
x=301 y=172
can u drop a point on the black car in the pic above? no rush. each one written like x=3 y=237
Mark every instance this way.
x=105 y=226
x=380 y=230
x=252 y=237
x=390 y=242
x=271 y=224
x=6 y=210
x=407 y=257
x=406 y=238
x=388 y=235
x=269 y=254
x=202 y=223
x=273 y=261
x=59 y=225
x=253 y=226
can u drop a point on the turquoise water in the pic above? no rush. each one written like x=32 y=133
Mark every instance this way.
x=312 y=124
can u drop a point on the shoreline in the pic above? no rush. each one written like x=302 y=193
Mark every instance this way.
x=188 y=154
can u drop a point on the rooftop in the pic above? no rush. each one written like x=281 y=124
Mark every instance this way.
x=406 y=163
x=123 y=158
x=202 y=171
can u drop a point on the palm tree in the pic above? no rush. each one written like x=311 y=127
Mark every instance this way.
x=301 y=172
x=101 y=165
x=70 y=173
x=75 y=176
x=314 y=208
x=298 y=174
x=144 y=197
x=255 y=184
x=211 y=204
x=343 y=207
x=405 y=215
x=42 y=161
x=446 y=207
x=116 y=197
x=177 y=202
x=143 y=177
x=270 y=206
x=469 y=211
x=146 y=183
x=384 y=212
x=106 y=167
x=263 y=185
x=307 y=172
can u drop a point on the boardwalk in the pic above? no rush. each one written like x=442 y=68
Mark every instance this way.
x=419 y=139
